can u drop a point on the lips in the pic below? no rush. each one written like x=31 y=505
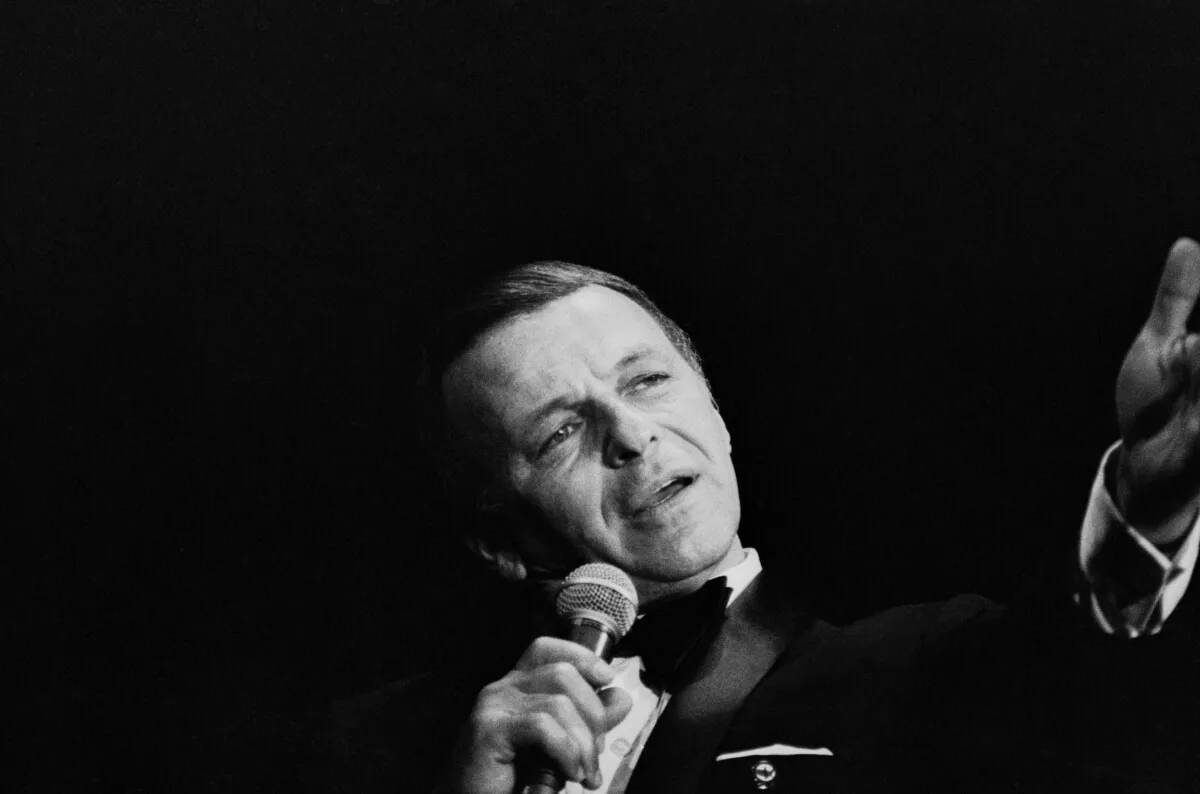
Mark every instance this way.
x=664 y=491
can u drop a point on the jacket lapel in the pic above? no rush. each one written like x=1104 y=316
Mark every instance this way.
x=757 y=630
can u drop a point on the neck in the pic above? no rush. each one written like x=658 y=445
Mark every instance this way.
x=651 y=594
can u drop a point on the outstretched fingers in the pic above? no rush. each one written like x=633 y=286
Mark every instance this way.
x=1177 y=290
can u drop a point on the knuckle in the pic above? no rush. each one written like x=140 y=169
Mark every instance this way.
x=488 y=722
x=498 y=696
x=493 y=688
x=543 y=725
x=540 y=647
x=495 y=691
x=535 y=654
x=563 y=671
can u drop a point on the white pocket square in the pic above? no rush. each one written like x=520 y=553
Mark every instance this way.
x=776 y=749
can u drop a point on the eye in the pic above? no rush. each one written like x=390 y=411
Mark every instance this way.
x=560 y=435
x=652 y=379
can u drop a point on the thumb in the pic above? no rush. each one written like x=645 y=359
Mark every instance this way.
x=617 y=703
x=1177 y=290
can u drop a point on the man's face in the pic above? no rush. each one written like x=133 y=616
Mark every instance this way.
x=600 y=426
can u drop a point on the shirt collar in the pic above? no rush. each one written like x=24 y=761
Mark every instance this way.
x=741 y=575
x=737 y=578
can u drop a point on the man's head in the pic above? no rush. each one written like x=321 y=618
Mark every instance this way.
x=587 y=424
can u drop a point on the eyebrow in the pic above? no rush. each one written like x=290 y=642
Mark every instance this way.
x=563 y=401
x=634 y=356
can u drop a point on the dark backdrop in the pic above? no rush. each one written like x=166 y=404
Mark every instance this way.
x=912 y=240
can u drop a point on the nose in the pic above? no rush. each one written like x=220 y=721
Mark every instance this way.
x=630 y=433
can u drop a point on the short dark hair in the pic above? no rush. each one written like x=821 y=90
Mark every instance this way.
x=523 y=290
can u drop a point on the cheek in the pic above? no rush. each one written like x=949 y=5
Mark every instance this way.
x=699 y=421
x=571 y=499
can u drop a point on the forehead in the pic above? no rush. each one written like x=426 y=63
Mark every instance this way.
x=529 y=358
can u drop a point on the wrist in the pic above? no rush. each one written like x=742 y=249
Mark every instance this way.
x=1169 y=537
x=1161 y=521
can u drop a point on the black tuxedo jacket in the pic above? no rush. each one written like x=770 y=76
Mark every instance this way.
x=954 y=696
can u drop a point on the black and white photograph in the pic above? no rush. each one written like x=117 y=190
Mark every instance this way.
x=655 y=397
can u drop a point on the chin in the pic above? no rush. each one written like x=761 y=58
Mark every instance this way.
x=678 y=563
x=652 y=591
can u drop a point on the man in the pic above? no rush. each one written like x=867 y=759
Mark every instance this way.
x=578 y=420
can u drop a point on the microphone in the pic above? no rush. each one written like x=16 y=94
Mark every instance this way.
x=598 y=604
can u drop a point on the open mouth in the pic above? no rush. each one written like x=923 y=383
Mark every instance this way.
x=667 y=491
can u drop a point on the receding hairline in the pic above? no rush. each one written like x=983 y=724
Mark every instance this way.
x=466 y=395
x=480 y=426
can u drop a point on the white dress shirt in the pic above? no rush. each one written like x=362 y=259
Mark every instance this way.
x=624 y=743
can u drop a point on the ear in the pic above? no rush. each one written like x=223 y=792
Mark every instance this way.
x=498 y=552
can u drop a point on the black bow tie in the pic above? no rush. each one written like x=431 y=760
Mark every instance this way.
x=671 y=638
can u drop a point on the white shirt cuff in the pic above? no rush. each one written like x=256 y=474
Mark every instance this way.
x=1132 y=586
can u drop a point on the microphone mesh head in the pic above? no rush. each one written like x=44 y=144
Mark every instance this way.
x=599 y=590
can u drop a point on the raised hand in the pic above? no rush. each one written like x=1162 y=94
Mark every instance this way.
x=545 y=708
x=1158 y=407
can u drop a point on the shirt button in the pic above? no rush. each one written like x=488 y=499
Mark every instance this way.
x=764 y=775
x=621 y=747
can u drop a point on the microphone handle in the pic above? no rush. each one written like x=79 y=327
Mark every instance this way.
x=600 y=639
x=593 y=635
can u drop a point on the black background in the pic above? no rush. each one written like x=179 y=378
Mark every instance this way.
x=911 y=239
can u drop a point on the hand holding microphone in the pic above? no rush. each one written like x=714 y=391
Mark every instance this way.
x=542 y=724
